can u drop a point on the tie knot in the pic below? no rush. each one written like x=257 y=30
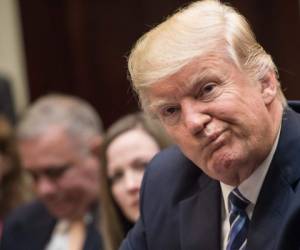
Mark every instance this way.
x=237 y=200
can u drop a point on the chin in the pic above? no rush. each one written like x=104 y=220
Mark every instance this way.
x=60 y=212
x=223 y=165
x=226 y=158
x=135 y=218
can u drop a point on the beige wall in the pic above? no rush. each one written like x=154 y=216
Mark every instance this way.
x=12 y=61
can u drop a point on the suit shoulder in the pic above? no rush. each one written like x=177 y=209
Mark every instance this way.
x=27 y=213
x=171 y=162
x=27 y=227
x=167 y=175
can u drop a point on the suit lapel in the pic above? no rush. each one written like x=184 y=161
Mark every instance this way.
x=92 y=241
x=200 y=221
x=40 y=231
x=277 y=191
x=268 y=214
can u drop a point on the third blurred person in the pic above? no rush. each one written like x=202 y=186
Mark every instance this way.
x=130 y=143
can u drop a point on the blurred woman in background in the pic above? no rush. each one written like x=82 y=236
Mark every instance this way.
x=130 y=143
x=13 y=186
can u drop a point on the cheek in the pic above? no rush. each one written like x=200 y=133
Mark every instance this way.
x=73 y=191
x=176 y=133
x=140 y=178
x=118 y=195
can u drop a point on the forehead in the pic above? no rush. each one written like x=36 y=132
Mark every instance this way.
x=133 y=143
x=53 y=147
x=135 y=139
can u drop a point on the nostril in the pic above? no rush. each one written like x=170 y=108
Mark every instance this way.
x=208 y=130
x=195 y=116
x=195 y=128
x=197 y=124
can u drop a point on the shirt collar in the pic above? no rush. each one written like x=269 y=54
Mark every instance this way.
x=63 y=225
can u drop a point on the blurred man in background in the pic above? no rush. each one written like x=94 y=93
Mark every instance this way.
x=58 y=140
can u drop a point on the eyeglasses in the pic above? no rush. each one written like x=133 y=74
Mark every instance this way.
x=53 y=173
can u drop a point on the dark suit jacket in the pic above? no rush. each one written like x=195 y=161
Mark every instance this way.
x=30 y=228
x=181 y=206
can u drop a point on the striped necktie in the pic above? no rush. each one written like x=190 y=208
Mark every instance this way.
x=239 y=221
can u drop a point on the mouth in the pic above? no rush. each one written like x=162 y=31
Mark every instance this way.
x=55 y=205
x=215 y=141
x=54 y=201
x=214 y=137
x=135 y=203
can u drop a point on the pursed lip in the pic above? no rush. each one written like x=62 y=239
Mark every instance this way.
x=135 y=203
x=213 y=143
x=213 y=137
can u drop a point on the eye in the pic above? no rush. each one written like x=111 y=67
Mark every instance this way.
x=140 y=165
x=116 y=177
x=207 y=88
x=207 y=91
x=168 y=111
x=170 y=114
x=57 y=172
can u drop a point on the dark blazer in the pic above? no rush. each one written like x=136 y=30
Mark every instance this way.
x=181 y=206
x=30 y=228
x=290 y=237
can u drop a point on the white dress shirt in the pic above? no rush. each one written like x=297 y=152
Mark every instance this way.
x=60 y=237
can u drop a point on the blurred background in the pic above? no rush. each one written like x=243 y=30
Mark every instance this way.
x=79 y=47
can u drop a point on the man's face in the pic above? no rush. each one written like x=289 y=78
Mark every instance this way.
x=219 y=117
x=65 y=179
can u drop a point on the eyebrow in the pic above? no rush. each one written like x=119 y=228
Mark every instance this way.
x=158 y=104
x=51 y=168
x=190 y=85
x=200 y=78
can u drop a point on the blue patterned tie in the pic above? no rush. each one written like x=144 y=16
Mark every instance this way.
x=239 y=221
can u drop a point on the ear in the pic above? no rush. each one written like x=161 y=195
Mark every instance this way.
x=269 y=87
x=95 y=144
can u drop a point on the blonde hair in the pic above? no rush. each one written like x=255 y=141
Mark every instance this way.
x=201 y=28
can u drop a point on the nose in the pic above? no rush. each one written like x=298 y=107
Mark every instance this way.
x=194 y=117
x=133 y=181
x=44 y=186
